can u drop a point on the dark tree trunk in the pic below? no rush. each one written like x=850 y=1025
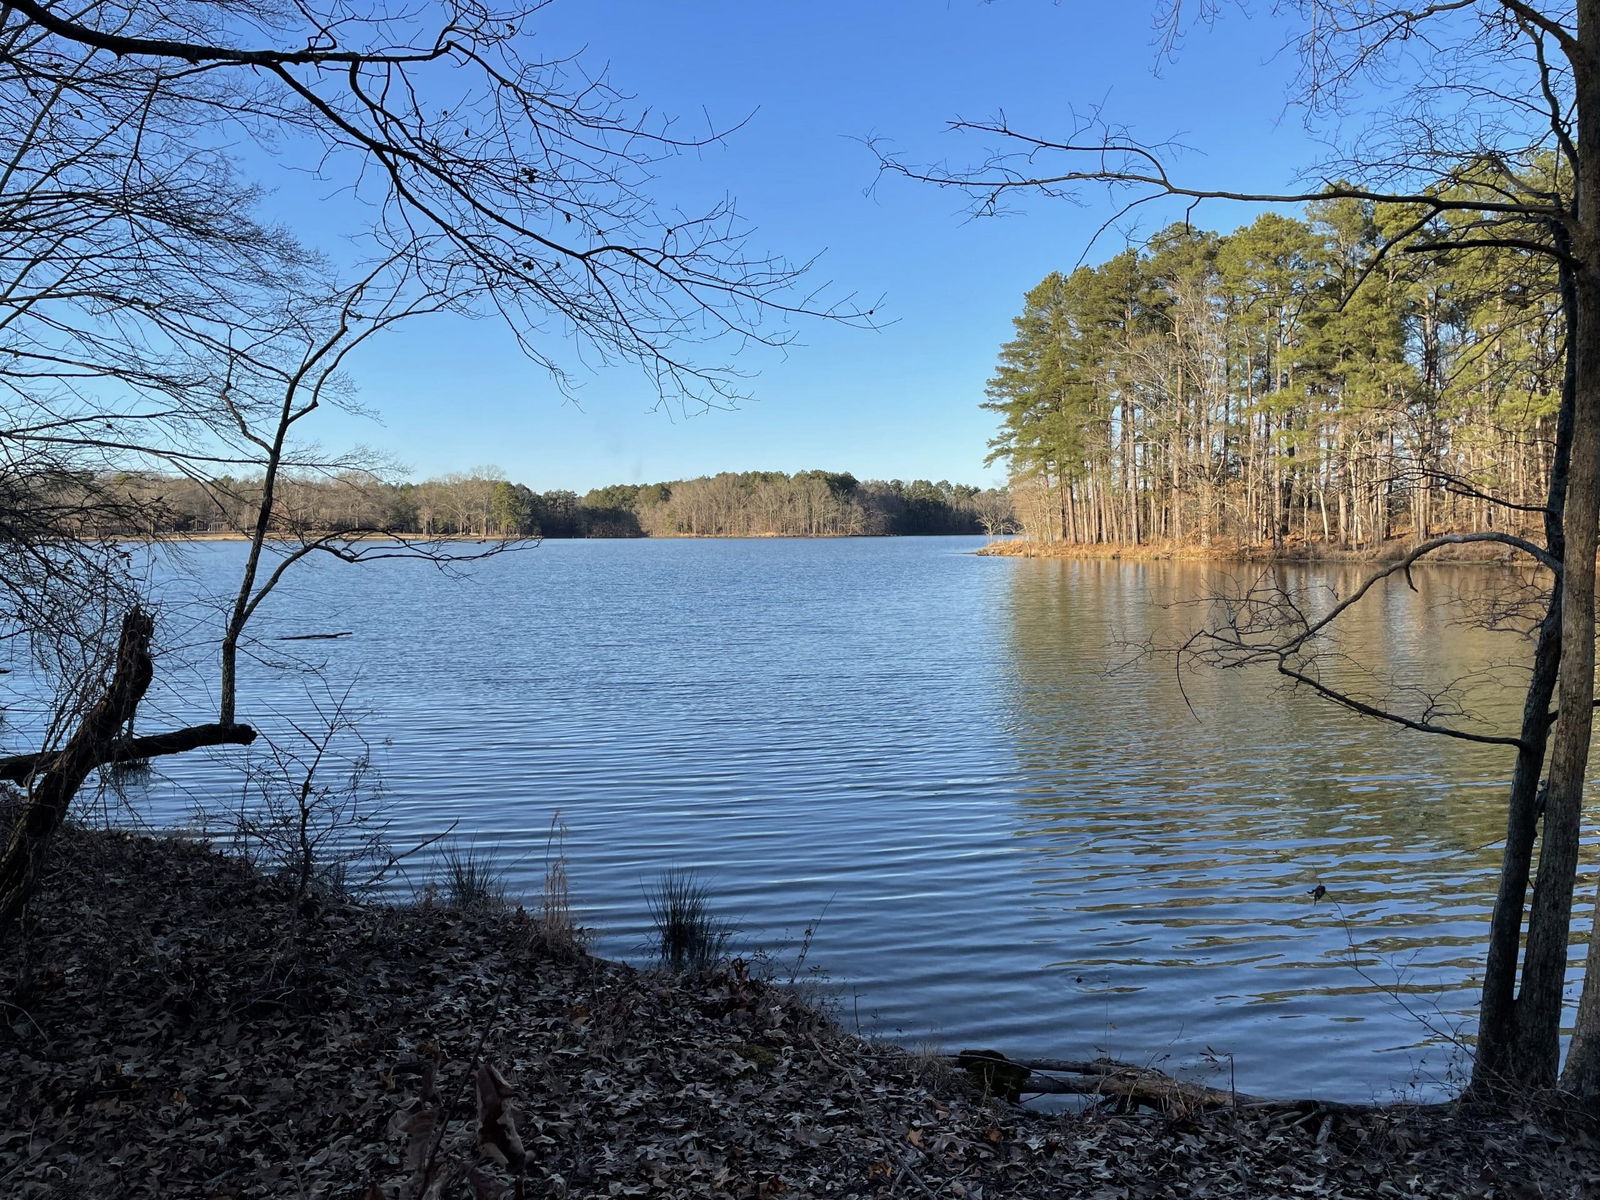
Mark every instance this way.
x=1495 y=1068
x=1582 y=1074
x=54 y=779
x=1539 y=1008
x=53 y=791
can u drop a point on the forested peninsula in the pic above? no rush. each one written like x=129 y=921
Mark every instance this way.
x=484 y=504
x=1329 y=379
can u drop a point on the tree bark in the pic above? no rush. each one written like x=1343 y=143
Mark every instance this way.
x=1495 y=1067
x=1549 y=925
x=52 y=792
x=1582 y=1073
x=19 y=768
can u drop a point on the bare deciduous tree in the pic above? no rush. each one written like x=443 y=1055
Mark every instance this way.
x=151 y=319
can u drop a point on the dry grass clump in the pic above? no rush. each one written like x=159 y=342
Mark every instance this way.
x=471 y=879
x=555 y=926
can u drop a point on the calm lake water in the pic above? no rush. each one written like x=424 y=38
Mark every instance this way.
x=921 y=752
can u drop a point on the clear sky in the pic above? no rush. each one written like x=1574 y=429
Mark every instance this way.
x=816 y=78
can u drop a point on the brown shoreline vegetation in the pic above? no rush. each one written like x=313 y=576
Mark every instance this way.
x=174 y=1027
x=510 y=542
x=1229 y=550
x=321 y=534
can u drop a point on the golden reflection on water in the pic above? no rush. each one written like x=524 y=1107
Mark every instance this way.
x=1182 y=821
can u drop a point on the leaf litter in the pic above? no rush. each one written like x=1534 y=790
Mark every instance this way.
x=172 y=1026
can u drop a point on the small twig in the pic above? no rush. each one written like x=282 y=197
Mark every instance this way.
x=1393 y=993
x=27 y=1016
x=396 y=857
x=907 y=1169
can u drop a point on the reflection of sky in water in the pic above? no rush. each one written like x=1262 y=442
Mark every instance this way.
x=1007 y=845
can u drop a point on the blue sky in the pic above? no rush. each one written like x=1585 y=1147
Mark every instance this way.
x=816 y=79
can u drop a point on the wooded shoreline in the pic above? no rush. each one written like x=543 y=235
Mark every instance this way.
x=486 y=505
x=1014 y=547
x=477 y=540
x=1310 y=553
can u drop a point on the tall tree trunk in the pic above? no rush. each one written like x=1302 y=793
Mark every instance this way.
x=1549 y=925
x=1582 y=1075
x=1496 y=1067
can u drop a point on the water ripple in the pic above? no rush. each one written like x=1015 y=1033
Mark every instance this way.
x=1004 y=844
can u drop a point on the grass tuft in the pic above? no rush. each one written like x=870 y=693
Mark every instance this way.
x=690 y=938
x=472 y=879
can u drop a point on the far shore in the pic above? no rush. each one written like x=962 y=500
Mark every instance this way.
x=310 y=534
x=1223 y=551
x=477 y=539
x=1471 y=553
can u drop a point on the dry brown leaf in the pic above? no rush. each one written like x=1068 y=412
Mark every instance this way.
x=497 y=1131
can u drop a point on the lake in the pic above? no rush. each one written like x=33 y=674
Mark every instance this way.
x=920 y=753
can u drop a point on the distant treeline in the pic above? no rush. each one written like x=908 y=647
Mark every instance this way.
x=484 y=504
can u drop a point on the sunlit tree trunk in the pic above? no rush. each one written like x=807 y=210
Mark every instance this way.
x=1569 y=752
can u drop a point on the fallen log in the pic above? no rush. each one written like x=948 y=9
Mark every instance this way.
x=315 y=637
x=1123 y=1084
x=19 y=768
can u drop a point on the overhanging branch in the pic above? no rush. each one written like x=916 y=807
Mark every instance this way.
x=1393 y=718
x=194 y=53
x=19 y=768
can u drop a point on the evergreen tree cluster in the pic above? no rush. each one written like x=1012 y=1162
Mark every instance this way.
x=1323 y=379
